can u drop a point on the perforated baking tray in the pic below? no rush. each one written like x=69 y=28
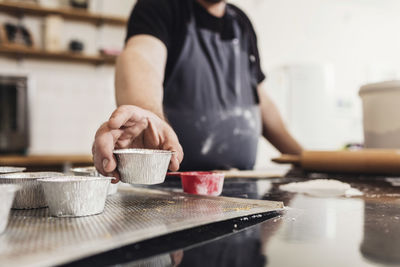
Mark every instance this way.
x=32 y=238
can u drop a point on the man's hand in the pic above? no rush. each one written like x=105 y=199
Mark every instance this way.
x=133 y=127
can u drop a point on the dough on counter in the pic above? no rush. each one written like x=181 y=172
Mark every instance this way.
x=322 y=188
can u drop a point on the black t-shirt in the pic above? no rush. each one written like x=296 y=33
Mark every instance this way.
x=167 y=20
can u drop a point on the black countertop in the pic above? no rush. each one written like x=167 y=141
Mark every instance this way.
x=336 y=231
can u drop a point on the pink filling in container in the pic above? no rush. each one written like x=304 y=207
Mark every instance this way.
x=202 y=183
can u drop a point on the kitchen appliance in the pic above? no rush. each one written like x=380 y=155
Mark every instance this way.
x=381 y=114
x=304 y=95
x=14 y=127
x=319 y=113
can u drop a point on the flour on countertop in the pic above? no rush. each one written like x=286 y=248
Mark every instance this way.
x=322 y=188
x=395 y=181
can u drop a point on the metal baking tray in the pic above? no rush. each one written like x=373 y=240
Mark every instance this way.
x=33 y=238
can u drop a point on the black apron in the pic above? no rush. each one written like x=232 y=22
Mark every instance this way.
x=211 y=100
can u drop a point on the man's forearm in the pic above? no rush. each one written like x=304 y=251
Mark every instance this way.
x=274 y=129
x=140 y=73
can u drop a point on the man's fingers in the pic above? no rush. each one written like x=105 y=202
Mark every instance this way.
x=179 y=153
x=172 y=144
x=125 y=125
x=174 y=163
x=124 y=114
x=134 y=131
x=177 y=157
x=151 y=136
x=116 y=176
x=103 y=149
x=125 y=143
x=109 y=164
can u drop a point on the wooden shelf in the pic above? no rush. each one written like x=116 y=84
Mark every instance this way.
x=20 y=9
x=44 y=160
x=22 y=52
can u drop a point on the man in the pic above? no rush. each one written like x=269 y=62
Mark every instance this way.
x=190 y=75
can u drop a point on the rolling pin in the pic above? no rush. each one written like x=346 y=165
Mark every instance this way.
x=365 y=161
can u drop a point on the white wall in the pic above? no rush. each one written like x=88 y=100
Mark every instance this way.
x=358 y=38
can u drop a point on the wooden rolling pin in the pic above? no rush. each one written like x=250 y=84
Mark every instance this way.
x=366 y=161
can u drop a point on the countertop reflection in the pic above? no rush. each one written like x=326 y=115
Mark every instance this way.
x=340 y=231
x=313 y=231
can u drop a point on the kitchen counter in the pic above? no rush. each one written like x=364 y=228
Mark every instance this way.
x=337 y=231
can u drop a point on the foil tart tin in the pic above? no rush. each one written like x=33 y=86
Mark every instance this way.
x=75 y=196
x=142 y=166
x=85 y=171
x=30 y=195
x=7 y=193
x=11 y=169
x=91 y=171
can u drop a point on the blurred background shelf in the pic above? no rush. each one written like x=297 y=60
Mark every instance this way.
x=22 y=52
x=45 y=160
x=20 y=9
x=60 y=163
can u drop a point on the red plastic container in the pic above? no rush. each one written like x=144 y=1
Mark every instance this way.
x=202 y=183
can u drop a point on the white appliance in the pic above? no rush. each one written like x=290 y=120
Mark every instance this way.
x=315 y=114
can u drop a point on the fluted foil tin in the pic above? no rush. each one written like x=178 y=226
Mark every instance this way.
x=11 y=169
x=112 y=189
x=30 y=195
x=143 y=166
x=91 y=171
x=76 y=196
x=7 y=193
x=85 y=171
